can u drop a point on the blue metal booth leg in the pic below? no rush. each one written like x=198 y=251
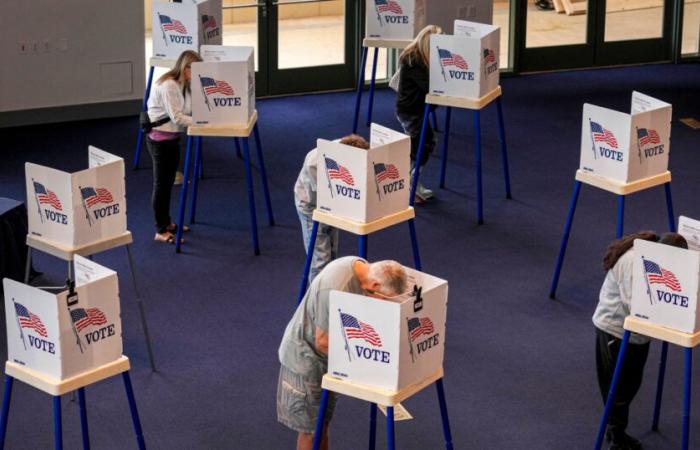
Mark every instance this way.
x=362 y=246
x=565 y=239
x=307 y=262
x=263 y=175
x=134 y=411
x=434 y=120
x=620 y=216
x=686 y=396
x=183 y=195
x=414 y=244
x=390 y=436
x=57 y=428
x=238 y=148
x=419 y=155
x=611 y=392
x=447 y=433
x=660 y=386
x=445 y=144
x=504 y=147
x=372 y=81
x=360 y=86
x=251 y=197
x=372 y=426
x=7 y=396
x=318 y=435
x=83 y=419
x=669 y=205
x=479 y=188
x=195 y=178
x=144 y=107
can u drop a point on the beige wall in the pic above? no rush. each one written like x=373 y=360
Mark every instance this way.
x=243 y=15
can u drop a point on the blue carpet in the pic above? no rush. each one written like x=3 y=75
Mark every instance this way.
x=520 y=370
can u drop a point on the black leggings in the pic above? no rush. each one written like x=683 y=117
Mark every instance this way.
x=606 y=351
x=166 y=157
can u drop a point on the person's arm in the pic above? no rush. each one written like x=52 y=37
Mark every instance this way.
x=174 y=104
x=321 y=341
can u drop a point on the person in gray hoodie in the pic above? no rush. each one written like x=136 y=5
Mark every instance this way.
x=613 y=307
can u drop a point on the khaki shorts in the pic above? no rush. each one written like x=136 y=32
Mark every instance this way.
x=298 y=402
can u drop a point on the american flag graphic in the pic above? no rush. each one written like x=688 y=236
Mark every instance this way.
x=359 y=330
x=27 y=319
x=658 y=275
x=418 y=326
x=489 y=56
x=93 y=196
x=385 y=172
x=83 y=318
x=212 y=86
x=601 y=134
x=47 y=196
x=648 y=136
x=338 y=172
x=452 y=59
x=388 y=6
x=172 y=24
x=208 y=21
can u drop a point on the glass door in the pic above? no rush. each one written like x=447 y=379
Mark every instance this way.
x=300 y=45
x=562 y=34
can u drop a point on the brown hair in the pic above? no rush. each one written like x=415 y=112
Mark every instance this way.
x=619 y=247
x=419 y=49
x=177 y=73
x=355 y=140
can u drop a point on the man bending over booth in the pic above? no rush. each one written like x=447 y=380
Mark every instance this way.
x=303 y=352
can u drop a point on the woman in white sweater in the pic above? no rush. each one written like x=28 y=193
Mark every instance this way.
x=170 y=101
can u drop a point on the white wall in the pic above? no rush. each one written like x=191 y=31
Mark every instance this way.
x=70 y=52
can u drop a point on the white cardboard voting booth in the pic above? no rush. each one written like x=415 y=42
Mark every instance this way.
x=60 y=336
x=365 y=185
x=465 y=64
x=223 y=86
x=690 y=230
x=403 y=19
x=177 y=27
x=79 y=208
x=388 y=344
x=665 y=286
x=626 y=147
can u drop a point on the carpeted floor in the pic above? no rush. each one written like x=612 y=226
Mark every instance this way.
x=520 y=370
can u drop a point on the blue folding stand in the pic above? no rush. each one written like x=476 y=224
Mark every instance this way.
x=686 y=340
x=385 y=398
x=476 y=105
x=155 y=62
x=377 y=44
x=362 y=230
x=621 y=190
x=56 y=388
x=243 y=132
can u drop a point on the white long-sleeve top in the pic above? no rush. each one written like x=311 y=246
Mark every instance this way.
x=167 y=99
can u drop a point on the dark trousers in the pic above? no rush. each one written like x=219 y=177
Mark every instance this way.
x=165 y=156
x=606 y=351
x=412 y=124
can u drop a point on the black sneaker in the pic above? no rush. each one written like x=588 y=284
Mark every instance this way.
x=623 y=441
x=544 y=5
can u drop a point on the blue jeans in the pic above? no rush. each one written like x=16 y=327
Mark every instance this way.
x=326 y=247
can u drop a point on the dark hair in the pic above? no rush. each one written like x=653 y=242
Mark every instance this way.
x=619 y=247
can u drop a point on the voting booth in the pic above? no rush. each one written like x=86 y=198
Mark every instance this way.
x=187 y=25
x=626 y=147
x=665 y=290
x=465 y=64
x=365 y=185
x=389 y=344
x=690 y=230
x=63 y=335
x=403 y=19
x=79 y=208
x=223 y=86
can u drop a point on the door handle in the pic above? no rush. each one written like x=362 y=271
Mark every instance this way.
x=262 y=5
x=295 y=2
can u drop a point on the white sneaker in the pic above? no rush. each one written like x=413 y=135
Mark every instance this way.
x=179 y=176
x=423 y=192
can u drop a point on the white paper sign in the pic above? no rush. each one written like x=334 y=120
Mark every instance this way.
x=388 y=344
x=465 y=64
x=47 y=334
x=223 y=86
x=365 y=185
x=626 y=147
x=665 y=286
x=690 y=230
x=80 y=208
x=177 y=27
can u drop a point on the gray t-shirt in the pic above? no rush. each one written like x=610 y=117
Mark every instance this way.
x=615 y=299
x=298 y=351
x=305 y=186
